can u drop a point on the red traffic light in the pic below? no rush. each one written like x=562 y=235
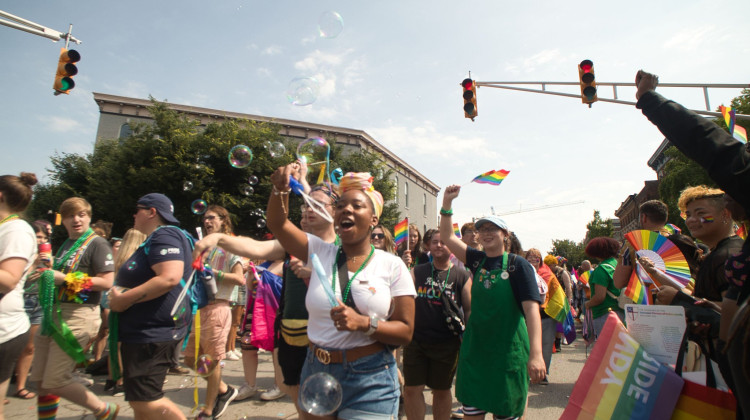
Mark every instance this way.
x=588 y=82
x=470 y=98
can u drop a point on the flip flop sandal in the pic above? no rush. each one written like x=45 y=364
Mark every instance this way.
x=25 y=394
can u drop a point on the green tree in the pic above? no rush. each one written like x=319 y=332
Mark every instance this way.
x=175 y=150
x=573 y=251
x=598 y=227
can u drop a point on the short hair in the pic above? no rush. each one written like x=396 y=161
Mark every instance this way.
x=226 y=226
x=602 y=248
x=428 y=236
x=550 y=260
x=17 y=190
x=656 y=211
x=74 y=205
x=690 y=194
x=533 y=251
x=467 y=226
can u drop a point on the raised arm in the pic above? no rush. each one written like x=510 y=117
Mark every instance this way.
x=457 y=247
x=240 y=245
x=289 y=236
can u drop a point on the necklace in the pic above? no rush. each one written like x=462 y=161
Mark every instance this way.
x=345 y=295
x=9 y=218
x=60 y=262
x=434 y=278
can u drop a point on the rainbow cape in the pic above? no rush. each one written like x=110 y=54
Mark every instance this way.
x=492 y=177
x=620 y=381
x=401 y=231
x=558 y=306
x=456 y=230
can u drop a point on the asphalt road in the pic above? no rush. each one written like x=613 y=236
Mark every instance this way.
x=545 y=401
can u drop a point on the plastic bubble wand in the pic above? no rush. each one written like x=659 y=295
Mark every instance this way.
x=318 y=267
x=197 y=266
x=316 y=206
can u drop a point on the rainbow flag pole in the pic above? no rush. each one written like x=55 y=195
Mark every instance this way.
x=401 y=231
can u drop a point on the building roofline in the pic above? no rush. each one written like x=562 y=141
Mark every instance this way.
x=659 y=150
x=101 y=98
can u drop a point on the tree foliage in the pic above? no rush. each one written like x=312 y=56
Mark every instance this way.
x=163 y=156
x=598 y=227
x=573 y=251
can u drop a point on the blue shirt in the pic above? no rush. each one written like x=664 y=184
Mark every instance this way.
x=151 y=321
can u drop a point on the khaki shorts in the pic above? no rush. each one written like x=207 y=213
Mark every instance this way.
x=216 y=321
x=51 y=365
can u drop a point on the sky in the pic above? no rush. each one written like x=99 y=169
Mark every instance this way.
x=394 y=71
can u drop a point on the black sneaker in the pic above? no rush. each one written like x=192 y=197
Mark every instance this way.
x=223 y=400
x=118 y=391
x=109 y=384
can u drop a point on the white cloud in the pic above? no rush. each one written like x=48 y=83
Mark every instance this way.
x=271 y=50
x=60 y=124
x=264 y=71
x=693 y=38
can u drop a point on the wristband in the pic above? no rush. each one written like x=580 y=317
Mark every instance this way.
x=445 y=212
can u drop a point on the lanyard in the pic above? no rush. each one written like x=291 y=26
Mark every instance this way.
x=447 y=276
x=345 y=293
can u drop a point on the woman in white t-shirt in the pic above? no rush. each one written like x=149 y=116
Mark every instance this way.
x=374 y=293
x=17 y=253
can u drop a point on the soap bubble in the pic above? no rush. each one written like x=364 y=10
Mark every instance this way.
x=302 y=91
x=247 y=338
x=187 y=186
x=276 y=149
x=261 y=223
x=240 y=156
x=205 y=365
x=198 y=206
x=330 y=24
x=252 y=180
x=320 y=394
x=311 y=149
x=246 y=189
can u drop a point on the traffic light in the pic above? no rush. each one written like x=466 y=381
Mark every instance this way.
x=588 y=82
x=66 y=69
x=470 y=98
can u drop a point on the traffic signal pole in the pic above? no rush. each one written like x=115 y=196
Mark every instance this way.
x=22 y=24
x=614 y=100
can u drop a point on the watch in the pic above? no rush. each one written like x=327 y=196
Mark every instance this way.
x=373 y=326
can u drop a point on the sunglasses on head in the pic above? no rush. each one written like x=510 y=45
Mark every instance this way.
x=377 y=236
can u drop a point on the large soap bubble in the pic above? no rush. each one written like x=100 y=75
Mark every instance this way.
x=205 y=365
x=330 y=24
x=240 y=156
x=276 y=149
x=198 y=206
x=312 y=148
x=302 y=91
x=320 y=394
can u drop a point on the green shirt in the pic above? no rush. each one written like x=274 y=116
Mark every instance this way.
x=602 y=277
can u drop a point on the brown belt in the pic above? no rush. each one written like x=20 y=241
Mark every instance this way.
x=337 y=356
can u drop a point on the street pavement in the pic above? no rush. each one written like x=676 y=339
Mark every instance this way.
x=545 y=401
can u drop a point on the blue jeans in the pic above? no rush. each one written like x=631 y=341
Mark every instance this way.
x=33 y=308
x=370 y=385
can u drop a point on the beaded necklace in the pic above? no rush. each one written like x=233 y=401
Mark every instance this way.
x=434 y=278
x=345 y=295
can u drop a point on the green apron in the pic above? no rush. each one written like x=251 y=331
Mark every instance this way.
x=492 y=366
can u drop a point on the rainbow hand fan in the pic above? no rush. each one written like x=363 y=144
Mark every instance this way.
x=664 y=253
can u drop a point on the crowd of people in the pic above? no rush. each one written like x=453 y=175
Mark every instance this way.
x=335 y=295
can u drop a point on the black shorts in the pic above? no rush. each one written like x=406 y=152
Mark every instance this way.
x=9 y=352
x=431 y=364
x=291 y=360
x=144 y=368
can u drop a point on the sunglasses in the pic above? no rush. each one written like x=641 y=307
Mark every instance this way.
x=377 y=236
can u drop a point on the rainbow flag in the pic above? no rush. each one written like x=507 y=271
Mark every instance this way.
x=558 y=306
x=456 y=230
x=707 y=219
x=401 y=231
x=584 y=277
x=492 y=177
x=729 y=116
x=621 y=381
x=636 y=290
x=740 y=133
x=672 y=229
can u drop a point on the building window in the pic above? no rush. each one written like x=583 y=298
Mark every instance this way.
x=406 y=194
x=396 y=180
x=125 y=131
x=424 y=203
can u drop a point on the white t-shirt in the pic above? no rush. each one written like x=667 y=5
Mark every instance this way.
x=17 y=240
x=385 y=276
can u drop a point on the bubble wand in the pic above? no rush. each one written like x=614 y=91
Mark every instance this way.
x=318 y=267
x=318 y=207
x=197 y=266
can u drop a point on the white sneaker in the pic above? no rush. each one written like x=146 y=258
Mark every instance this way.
x=272 y=394
x=246 y=391
x=238 y=352
x=232 y=356
x=83 y=379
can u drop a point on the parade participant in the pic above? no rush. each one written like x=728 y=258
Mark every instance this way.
x=147 y=331
x=549 y=324
x=470 y=236
x=351 y=344
x=603 y=291
x=502 y=345
x=83 y=268
x=216 y=317
x=567 y=284
x=382 y=239
x=431 y=357
x=652 y=215
x=18 y=250
x=411 y=251
x=33 y=310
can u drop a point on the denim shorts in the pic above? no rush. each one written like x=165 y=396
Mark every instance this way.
x=370 y=385
x=33 y=308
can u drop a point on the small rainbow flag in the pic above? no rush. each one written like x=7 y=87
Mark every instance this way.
x=492 y=177
x=672 y=229
x=729 y=115
x=636 y=290
x=740 y=133
x=584 y=277
x=456 y=230
x=401 y=231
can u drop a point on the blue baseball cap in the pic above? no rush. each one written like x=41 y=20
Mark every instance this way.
x=495 y=220
x=163 y=206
